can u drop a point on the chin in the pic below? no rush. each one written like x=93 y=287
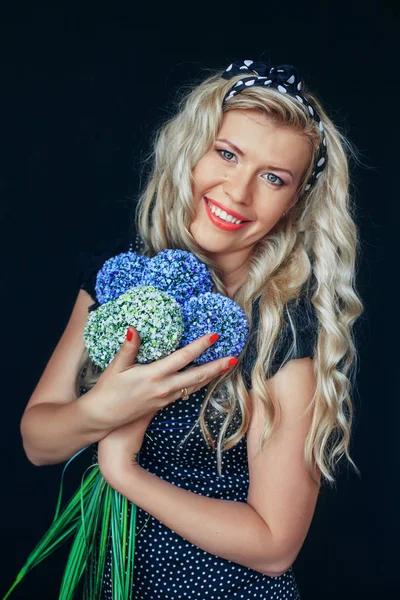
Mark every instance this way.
x=206 y=241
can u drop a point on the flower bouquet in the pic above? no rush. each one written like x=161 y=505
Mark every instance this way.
x=168 y=299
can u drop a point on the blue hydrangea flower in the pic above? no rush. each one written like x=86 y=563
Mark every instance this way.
x=179 y=273
x=118 y=274
x=214 y=313
x=156 y=315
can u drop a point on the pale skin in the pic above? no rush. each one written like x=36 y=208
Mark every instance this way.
x=247 y=185
x=267 y=532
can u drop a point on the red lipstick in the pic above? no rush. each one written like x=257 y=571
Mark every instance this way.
x=220 y=223
x=227 y=210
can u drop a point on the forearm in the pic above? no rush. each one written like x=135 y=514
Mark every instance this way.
x=231 y=530
x=52 y=433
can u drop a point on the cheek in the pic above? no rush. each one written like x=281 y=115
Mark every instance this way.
x=268 y=214
x=205 y=174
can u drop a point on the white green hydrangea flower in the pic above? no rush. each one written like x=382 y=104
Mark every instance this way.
x=156 y=315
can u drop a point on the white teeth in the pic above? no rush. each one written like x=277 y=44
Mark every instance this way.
x=223 y=214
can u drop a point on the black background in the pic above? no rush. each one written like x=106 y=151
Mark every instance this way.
x=82 y=90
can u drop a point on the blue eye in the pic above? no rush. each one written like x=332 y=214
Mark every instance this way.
x=226 y=152
x=277 y=181
x=274 y=182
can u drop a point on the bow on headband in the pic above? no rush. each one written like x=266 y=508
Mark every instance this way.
x=287 y=80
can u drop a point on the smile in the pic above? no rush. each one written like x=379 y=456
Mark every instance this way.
x=222 y=219
x=220 y=211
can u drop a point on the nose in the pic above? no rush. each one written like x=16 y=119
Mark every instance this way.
x=237 y=186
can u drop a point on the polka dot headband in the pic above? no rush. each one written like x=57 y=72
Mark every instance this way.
x=287 y=80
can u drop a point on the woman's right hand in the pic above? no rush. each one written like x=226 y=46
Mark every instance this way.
x=127 y=391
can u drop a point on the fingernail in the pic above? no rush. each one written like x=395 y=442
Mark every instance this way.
x=129 y=335
x=214 y=337
x=231 y=362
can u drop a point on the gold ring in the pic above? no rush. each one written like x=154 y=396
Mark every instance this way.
x=184 y=394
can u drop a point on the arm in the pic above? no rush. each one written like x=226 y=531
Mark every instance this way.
x=264 y=534
x=281 y=489
x=53 y=432
x=225 y=528
x=56 y=424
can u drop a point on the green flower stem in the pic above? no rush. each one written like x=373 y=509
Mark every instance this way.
x=95 y=515
x=61 y=528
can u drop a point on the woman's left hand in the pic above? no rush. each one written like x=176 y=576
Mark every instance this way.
x=119 y=449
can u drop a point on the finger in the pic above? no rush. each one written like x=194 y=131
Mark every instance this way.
x=197 y=377
x=126 y=355
x=194 y=378
x=184 y=356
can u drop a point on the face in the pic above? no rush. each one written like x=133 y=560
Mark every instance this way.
x=251 y=172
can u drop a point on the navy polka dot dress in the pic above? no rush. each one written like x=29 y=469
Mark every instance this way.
x=167 y=566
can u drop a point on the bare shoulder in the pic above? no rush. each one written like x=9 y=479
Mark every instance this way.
x=293 y=388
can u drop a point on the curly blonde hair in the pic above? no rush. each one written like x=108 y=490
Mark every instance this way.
x=313 y=251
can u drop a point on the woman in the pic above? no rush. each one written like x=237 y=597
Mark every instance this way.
x=251 y=176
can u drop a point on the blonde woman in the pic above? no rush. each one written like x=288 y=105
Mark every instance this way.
x=251 y=175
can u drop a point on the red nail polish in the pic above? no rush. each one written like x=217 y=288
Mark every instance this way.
x=232 y=362
x=214 y=337
x=223 y=371
x=129 y=335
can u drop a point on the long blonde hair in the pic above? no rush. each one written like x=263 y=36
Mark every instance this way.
x=313 y=251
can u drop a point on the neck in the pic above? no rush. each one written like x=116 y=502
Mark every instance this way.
x=234 y=274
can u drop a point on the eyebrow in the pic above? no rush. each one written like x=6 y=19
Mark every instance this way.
x=241 y=153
